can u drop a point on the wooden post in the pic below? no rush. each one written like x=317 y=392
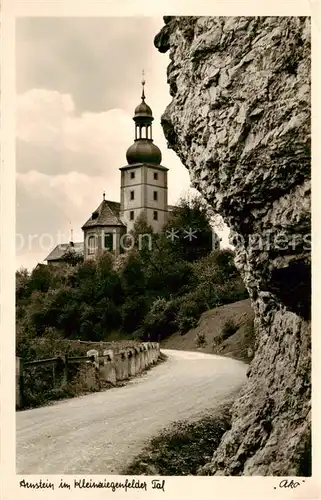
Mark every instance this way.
x=65 y=374
x=19 y=383
x=95 y=354
x=54 y=375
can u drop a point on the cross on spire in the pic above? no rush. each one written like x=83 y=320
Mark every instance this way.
x=143 y=84
x=104 y=195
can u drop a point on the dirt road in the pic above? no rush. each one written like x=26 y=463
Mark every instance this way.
x=102 y=432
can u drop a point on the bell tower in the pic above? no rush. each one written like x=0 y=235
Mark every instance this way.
x=143 y=180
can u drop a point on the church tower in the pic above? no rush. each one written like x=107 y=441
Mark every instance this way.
x=143 y=180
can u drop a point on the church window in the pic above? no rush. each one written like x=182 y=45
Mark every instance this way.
x=155 y=215
x=131 y=215
x=132 y=195
x=91 y=245
x=155 y=195
x=108 y=241
x=155 y=176
x=132 y=175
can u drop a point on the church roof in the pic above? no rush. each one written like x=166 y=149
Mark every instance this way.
x=144 y=151
x=143 y=110
x=107 y=214
x=141 y=163
x=60 y=250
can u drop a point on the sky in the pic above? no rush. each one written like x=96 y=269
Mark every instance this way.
x=78 y=83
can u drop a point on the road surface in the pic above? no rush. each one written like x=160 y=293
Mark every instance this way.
x=100 y=433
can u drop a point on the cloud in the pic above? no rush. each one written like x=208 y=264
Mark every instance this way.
x=52 y=203
x=52 y=139
x=97 y=60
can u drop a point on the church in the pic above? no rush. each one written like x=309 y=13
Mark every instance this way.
x=143 y=192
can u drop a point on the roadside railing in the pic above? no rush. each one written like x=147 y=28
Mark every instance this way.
x=108 y=365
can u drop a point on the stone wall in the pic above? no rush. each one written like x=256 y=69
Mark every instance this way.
x=239 y=120
x=119 y=365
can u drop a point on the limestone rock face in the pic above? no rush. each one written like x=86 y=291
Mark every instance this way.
x=239 y=120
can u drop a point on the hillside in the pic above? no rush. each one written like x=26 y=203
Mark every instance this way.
x=239 y=345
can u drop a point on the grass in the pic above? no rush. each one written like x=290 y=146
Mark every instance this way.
x=184 y=447
x=207 y=336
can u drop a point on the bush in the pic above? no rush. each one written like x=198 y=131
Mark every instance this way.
x=191 y=307
x=186 y=323
x=39 y=386
x=30 y=347
x=219 y=282
x=160 y=321
x=133 y=313
x=200 y=340
x=167 y=277
x=231 y=291
x=228 y=329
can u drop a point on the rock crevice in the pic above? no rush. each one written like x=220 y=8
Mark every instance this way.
x=239 y=120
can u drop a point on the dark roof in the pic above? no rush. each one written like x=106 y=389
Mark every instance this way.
x=139 y=164
x=143 y=110
x=144 y=151
x=60 y=250
x=107 y=214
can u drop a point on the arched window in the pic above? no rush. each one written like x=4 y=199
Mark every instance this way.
x=108 y=242
x=91 y=245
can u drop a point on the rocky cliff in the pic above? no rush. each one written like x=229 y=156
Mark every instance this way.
x=239 y=120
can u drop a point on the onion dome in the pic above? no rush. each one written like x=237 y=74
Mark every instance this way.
x=144 y=151
x=143 y=111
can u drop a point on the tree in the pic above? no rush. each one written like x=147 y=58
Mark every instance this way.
x=133 y=275
x=188 y=230
x=141 y=226
x=22 y=281
x=72 y=257
x=40 y=278
x=144 y=236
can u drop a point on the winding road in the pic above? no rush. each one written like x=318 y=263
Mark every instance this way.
x=101 y=433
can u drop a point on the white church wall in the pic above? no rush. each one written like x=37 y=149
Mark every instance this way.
x=131 y=204
x=161 y=202
x=99 y=234
x=157 y=225
x=138 y=176
x=161 y=177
